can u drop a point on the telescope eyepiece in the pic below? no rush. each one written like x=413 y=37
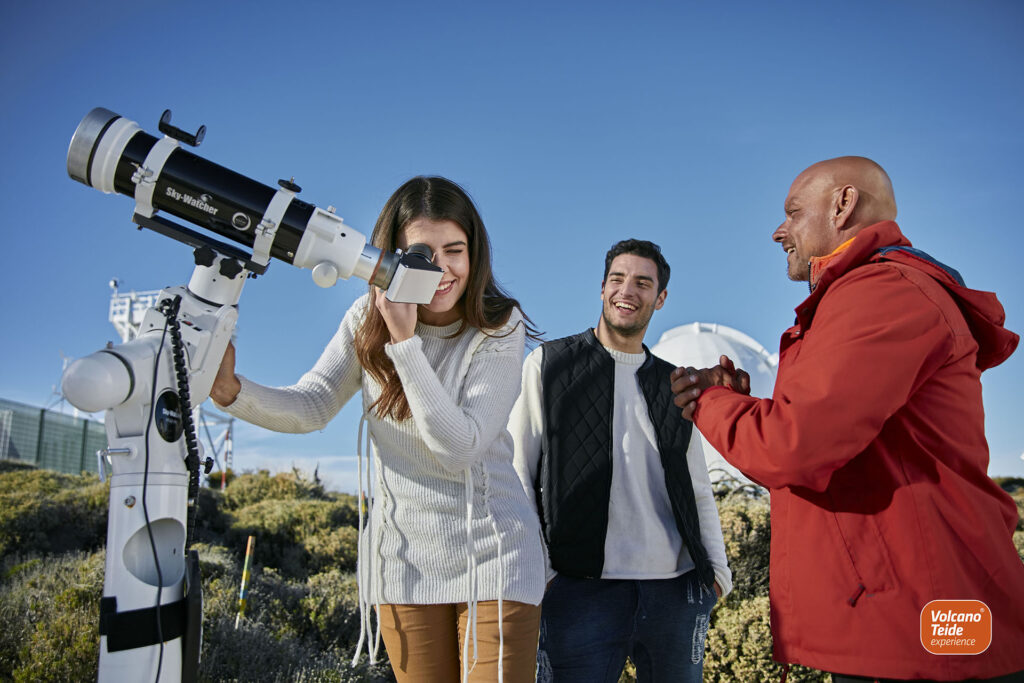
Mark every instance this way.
x=421 y=250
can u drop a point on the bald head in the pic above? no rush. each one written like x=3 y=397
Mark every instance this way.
x=874 y=200
x=828 y=204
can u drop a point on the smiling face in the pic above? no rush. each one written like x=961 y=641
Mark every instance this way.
x=809 y=228
x=450 y=245
x=630 y=295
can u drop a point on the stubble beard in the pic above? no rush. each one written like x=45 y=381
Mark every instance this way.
x=635 y=330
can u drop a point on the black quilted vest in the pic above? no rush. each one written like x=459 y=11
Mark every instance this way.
x=575 y=476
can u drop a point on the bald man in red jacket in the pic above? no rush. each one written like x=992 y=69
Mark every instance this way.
x=873 y=449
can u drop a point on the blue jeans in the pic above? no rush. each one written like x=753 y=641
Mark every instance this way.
x=589 y=626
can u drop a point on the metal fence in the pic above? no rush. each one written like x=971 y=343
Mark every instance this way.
x=49 y=439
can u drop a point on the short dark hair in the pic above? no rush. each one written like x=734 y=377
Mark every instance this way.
x=644 y=249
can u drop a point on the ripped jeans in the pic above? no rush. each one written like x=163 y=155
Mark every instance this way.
x=589 y=626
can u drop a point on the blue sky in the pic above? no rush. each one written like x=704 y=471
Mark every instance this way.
x=572 y=125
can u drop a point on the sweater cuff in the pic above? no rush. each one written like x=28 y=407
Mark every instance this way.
x=403 y=351
x=723 y=576
x=245 y=404
x=413 y=367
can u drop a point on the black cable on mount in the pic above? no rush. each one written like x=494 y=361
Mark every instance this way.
x=169 y=308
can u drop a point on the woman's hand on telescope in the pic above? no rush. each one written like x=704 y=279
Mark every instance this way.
x=226 y=385
x=400 y=318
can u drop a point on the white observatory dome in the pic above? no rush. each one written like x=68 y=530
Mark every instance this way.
x=699 y=345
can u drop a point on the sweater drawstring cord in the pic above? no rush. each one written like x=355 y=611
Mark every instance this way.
x=501 y=579
x=471 y=573
x=364 y=560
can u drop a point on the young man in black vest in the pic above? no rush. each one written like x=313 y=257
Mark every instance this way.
x=636 y=557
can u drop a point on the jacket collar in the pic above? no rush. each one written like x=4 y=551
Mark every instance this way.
x=848 y=256
x=590 y=338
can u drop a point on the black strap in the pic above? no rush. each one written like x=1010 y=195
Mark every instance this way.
x=137 y=627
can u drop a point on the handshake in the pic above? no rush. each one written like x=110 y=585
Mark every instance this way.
x=689 y=383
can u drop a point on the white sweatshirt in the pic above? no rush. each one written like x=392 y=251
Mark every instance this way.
x=460 y=390
x=642 y=540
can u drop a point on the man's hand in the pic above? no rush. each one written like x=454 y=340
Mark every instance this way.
x=689 y=383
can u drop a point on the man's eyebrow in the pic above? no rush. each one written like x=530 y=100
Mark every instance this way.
x=616 y=273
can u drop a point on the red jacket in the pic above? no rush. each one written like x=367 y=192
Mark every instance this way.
x=873 y=448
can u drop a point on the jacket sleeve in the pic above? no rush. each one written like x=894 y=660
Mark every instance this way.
x=310 y=403
x=875 y=338
x=459 y=429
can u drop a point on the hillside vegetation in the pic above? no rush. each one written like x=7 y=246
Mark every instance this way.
x=302 y=620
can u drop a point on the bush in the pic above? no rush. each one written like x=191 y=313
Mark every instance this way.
x=260 y=486
x=291 y=632
x=284 y=527
x=336 y=549
x=44 y=512
x=332 y=604
x=213 y=478
x=747 y=532
x=738 y=647
x=1018 y=498
x=49 y=607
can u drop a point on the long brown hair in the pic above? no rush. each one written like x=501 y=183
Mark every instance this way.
x=486 y=306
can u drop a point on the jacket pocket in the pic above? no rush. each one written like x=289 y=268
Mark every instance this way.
x=867 y=554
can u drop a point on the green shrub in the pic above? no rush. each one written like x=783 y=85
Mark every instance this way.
x=211 y=519
x=49 y=608
x=332 y=606
x=252 y=652
x=1018 y=498
x=283 y=527
x=747 y=532
x=334 y=549
x=213 y=478
x=1010 y=484
x=253 y=487
x=44 y=512
x=14 y=466
x=739 y=647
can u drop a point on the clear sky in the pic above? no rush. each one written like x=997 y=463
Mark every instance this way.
x=572 y=125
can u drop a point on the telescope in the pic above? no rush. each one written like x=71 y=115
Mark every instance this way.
x=114 y=155
x=151 y=611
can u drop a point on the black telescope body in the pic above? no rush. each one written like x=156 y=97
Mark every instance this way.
x=188 y=186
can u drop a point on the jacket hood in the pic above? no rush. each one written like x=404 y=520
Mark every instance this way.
x=984 y=314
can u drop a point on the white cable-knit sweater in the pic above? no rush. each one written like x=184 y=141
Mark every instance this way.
x=460 y=391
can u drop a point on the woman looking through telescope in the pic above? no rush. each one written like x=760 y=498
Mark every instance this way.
x=451 y=542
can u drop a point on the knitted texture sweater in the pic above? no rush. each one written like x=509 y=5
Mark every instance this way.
x=450 y=462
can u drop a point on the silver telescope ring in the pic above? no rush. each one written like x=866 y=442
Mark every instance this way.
x=96 y=146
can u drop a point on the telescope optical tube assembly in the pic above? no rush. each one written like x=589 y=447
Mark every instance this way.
x=114 y=155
